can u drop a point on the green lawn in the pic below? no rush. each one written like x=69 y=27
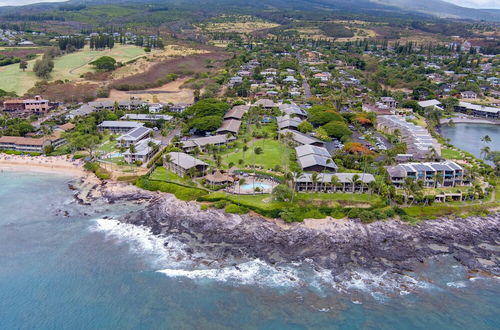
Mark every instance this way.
x=69 y=66
x=163 y=174
x=451 y=154
x=272 y=154
x=263 y=201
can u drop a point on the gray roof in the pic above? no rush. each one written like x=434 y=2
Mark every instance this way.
x=142 y=147
x=135 y=134
x=266 y=103
x=287 y=122
x=185 y=161
x=120 y=124
x=301 y=138
x=230 y=125
x=401 y=170
x=343 y=177
x=203 y=141
x=146 y=116
x=429 y=103
x=308 y=149
x=237 y=112
x=316 y=160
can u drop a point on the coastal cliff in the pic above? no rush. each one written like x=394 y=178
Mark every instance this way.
x=339 y=247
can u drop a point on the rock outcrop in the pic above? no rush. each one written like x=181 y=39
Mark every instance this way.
x=378 y=246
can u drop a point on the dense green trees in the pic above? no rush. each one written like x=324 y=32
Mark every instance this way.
x=15 y=126
x=104 y=63
x=206 y=115
x=337 y=129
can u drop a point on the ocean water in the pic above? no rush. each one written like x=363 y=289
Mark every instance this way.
x=468 y=137
x=84 y=272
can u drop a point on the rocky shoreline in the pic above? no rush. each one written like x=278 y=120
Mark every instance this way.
x=380 y=246
x=340 y=246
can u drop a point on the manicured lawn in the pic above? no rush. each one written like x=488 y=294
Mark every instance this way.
x=372 y=198
x=108 y=146
x=451 y=154
x=162 y=174
x=263 y=201
x=273 y=153
x=69 y=66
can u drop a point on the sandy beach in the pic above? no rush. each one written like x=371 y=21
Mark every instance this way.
x=42 y=164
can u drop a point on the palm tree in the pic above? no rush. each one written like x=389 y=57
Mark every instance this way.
x=355 y=180
x=241 y=182
x=486 y=139
x=335 y=182
x=485 y=152
x=314 y=179
x=438 y=177
x=296 y=176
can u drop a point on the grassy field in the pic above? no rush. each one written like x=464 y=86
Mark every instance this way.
x=451 y=154
x=69 y=66
x=272 y=154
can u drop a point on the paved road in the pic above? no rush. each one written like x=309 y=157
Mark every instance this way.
x=165 y=140
x=305 y=83
x=49 y=116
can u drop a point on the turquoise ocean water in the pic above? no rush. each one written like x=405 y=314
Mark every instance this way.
x=79 y=272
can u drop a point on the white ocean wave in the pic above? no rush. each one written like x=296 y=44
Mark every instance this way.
x=171 y=257
x=254 y=272
x=456 y=284
x=162 y=250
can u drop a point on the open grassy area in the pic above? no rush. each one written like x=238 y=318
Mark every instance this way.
x=272 y=154
x=69 y=66
x=163 y=174
x=451 y=154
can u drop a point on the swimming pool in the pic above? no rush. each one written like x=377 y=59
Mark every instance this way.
x=260 y=185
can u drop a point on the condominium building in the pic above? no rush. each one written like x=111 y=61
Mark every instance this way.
x=443 y=174
x=343 y=182
x=420 y=144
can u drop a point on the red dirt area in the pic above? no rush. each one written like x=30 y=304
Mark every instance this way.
x=182 y=66
x=66 y=92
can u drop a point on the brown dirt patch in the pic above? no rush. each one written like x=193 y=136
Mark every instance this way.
x=168 y=93
x=182 y=66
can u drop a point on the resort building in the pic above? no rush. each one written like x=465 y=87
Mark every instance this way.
x=293 y=110
x=478 y=110
x=181 y=163
x=27 y=107
x=265 y=103
x=146 y=117
x=389 y=102
x=179 y=107
x=343 y=182
x=229 y=126
x=302 y=139
x=420 y=144
x=315 y=159
x=27 y=144
x=134 y=136
x=203 y=142
x=237 y=112
x=143 y=151
x=287 y=122
x=444 y=174
x=118 y=127
x=468 y=95
x=434 y=104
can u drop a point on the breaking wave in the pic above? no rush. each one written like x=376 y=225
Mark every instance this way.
x=171 y=258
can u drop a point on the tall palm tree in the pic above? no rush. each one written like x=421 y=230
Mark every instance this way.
x=314 y=179
x=355 y=180
x=335 y=182
x=485 y=152
x=486 y=139
x=296 y=176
